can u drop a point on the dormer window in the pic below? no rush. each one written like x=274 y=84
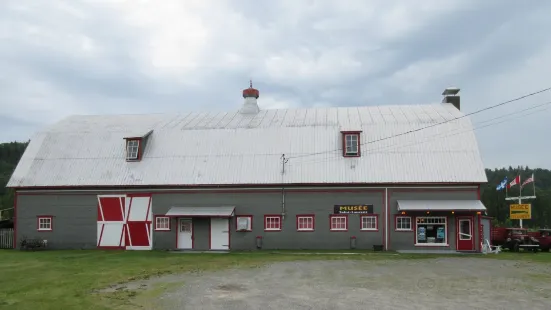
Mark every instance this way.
x=135 y=146
x=132 y=149
x=351 y=143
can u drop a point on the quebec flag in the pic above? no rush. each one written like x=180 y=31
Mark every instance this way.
x=502 y=185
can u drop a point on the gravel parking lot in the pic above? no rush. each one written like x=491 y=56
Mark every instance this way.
x=444 y=283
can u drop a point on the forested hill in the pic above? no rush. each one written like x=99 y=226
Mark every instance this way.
x=10 y=153
x=498 y=207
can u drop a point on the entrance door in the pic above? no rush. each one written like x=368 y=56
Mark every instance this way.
x=185 y=234
x=465 y=238
x=219 y=234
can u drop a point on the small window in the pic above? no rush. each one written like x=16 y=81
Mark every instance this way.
x=162 y=223
x=132 y=149
x=244 y=223
x=368 y=222
x=403 y=223
x=44 y=223
x=272 y=222
x=305 y=222
x=339 y=222
x=351 y=144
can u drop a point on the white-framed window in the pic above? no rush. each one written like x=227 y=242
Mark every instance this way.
x=305 y=222
x=403 y=223
x=162 y=223
x=44 y=223
x=351 y=144
x=272 y=222
x=132 y=149
x=244 y=223
x=339 y=223
x=368 y=222
x=431 y=230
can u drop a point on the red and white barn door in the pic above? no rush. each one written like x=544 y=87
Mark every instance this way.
x=124 y=221
x=139 y=232
x=111 y=222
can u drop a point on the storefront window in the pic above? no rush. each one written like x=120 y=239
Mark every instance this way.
x=431 y=230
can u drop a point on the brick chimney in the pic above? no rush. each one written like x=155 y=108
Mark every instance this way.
x=451 y=96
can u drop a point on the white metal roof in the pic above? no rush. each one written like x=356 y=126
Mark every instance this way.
x=440 y=205
x=230 y=148
x=222 y=211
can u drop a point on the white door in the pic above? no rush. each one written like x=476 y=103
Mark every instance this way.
x=185 y=234
x=219 y=234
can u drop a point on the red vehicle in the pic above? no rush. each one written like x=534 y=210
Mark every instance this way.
x=544 y=237
x=514 y=239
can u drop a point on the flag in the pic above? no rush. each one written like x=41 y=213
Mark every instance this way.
x=529 y=180
x=514 y=182
x=502 y=185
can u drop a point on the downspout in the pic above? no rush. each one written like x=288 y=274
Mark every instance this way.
x=282 y=203
x=386 y=218
x=283 y=162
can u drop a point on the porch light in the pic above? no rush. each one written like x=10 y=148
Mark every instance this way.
x=478 y=212
x=403 y=212
x=428 y=212
x=453 y=212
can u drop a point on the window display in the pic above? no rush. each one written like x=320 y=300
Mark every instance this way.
x=431 y=230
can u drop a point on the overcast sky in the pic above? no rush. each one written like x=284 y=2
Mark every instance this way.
x=59 y=58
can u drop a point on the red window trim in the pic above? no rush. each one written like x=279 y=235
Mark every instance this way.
x=38 y=217
x=273 y=215
x=344 y=134
x=140 y=140
x=162 y=229
x=376 y=216
x=331 y=221
x=250 y=220
x=313 y=222
x=396 y=216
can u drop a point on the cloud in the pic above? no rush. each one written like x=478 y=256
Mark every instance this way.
x=93 y=57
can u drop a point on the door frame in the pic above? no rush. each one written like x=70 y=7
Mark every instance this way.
x=458 y=231
x=178 y=223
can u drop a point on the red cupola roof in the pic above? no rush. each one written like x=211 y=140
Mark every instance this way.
x=251 y=92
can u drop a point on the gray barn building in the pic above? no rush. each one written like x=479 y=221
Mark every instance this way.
x=403 y=177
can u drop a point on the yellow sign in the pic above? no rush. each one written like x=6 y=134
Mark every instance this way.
x=520 y=211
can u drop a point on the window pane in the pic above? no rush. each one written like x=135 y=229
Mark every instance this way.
x=431 y=230
x=273 y=223
x=465 y=230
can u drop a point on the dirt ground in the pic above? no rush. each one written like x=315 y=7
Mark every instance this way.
x=443 y=283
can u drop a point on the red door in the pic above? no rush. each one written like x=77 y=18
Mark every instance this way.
x=465 y=238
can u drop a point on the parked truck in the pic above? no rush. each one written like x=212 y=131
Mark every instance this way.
x=514 y=239
x=544 y=237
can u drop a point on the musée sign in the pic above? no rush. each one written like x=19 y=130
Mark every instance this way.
x=353 y=209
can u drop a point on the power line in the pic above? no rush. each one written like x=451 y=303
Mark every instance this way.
x=433 y=125
x=449 y=133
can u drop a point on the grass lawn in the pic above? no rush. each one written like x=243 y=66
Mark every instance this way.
x=67 y=279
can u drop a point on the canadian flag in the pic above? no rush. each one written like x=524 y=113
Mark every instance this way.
x=514 y=182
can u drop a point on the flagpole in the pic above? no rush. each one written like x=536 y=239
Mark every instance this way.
x=534 y=184
x=520 y=195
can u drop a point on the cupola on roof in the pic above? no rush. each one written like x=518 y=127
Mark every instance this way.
x=250 y=105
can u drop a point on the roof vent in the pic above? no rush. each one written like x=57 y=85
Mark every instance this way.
x=451 y=96
x=250 y=105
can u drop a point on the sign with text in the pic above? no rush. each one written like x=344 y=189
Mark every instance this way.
x=520 y=211
x=353 y=209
